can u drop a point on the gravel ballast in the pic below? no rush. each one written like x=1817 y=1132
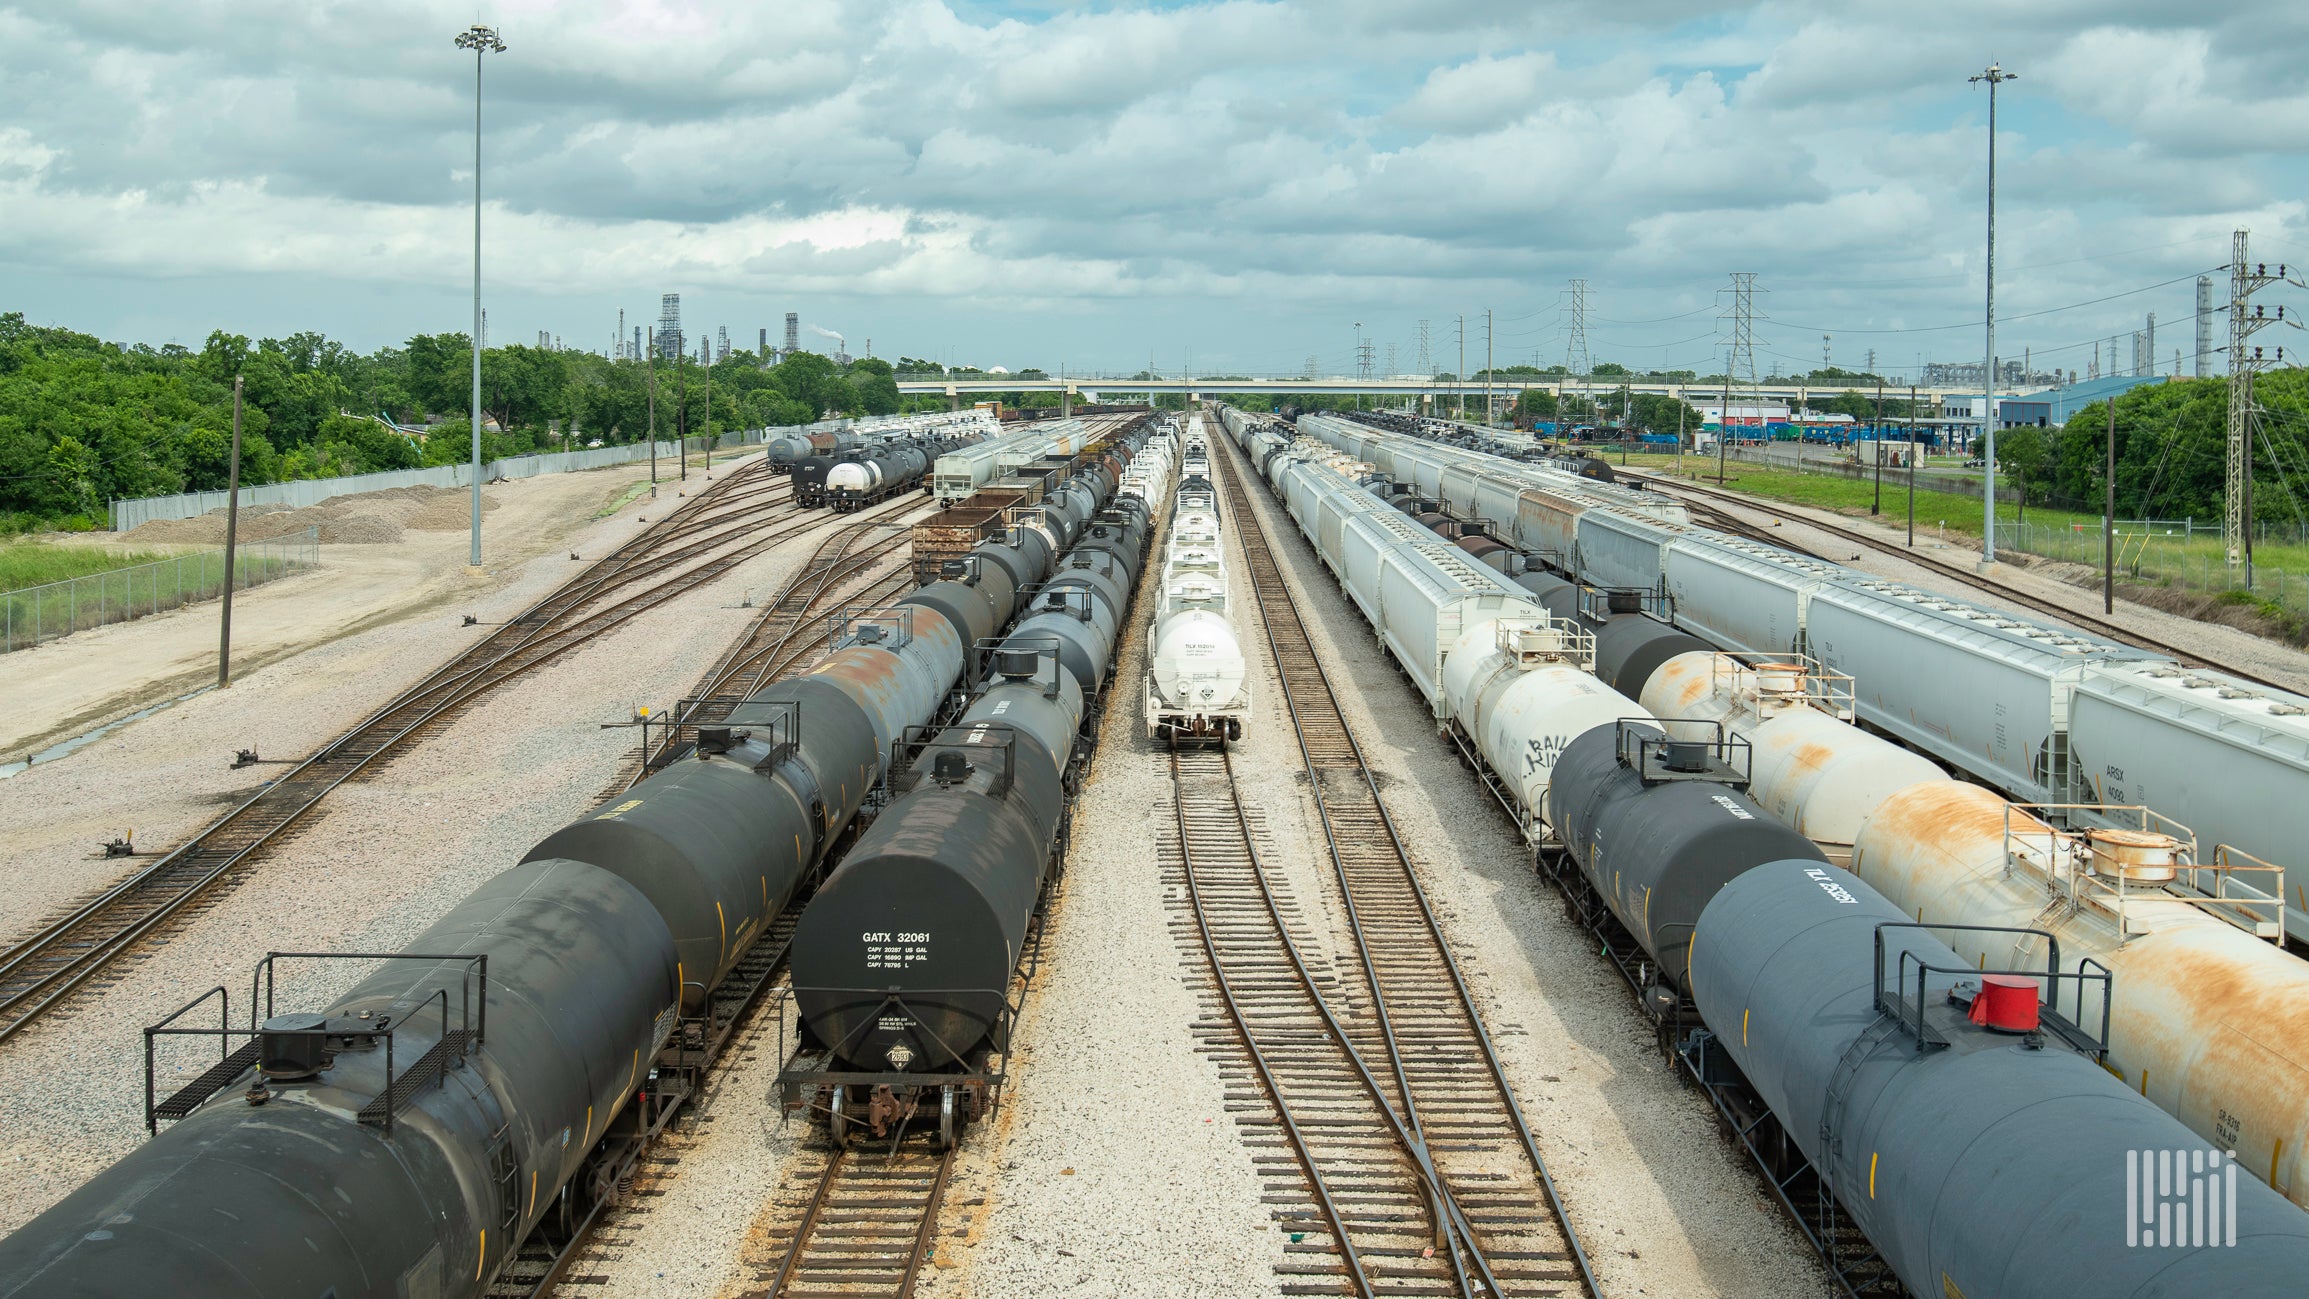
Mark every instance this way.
x=1115 y=1167
x=1662 y=1202
x=379 y=860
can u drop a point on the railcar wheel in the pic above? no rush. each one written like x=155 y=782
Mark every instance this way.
x=949 y=1123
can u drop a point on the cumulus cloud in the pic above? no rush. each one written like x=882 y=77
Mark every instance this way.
x=1391 y=160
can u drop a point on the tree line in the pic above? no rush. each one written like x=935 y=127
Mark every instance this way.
x=84 y=422
x=2171 y=451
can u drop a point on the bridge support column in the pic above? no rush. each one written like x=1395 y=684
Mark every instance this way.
x=1066 y=402
x=953 y=398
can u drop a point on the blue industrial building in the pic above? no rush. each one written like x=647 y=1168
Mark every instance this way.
x=2060 y=403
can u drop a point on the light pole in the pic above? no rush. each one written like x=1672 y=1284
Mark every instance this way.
x=481 y=40
x=1995 y=76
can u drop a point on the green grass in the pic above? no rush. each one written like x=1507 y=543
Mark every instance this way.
x=33 y=563
x=2197 y=562
x=615 y=504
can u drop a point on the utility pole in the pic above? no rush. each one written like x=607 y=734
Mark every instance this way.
x=481 y=40
x=681 y=409
x=2109 y=515
x=653 y=411
x=1487 y=376
x=1680 y=409
x=1995 y=76
x=1724 y=421
x=1877 y=506
x=2237 y=500
x=1461 y=373
x=232 y=525
x=1912 y=466
x=709 y=373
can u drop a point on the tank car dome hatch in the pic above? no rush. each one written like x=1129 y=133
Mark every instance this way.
x=2003 y=1003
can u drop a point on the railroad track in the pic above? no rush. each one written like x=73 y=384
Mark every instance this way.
x=736 y=1024
x=705 y=537
x=789 y=628
x=741 y=1021
x=1966 y=574
x=865 y=1223
x=1395 y=1120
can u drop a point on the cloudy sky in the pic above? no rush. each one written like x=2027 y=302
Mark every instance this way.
x=1234 y=186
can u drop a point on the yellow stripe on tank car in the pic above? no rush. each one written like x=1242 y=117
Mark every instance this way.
x=532 y=1193
x=1872 y=1174
x=481 y=1257
x=1743 y=1028
x=724 y=922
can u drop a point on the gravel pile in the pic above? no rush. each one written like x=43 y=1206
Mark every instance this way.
x=371 y=518
x=1662 y=1202
x=379 y=861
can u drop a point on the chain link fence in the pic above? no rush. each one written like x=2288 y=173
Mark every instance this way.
x=2159 y=552
x=38 y=613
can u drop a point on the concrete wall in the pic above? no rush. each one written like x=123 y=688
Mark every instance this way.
x=312 y=491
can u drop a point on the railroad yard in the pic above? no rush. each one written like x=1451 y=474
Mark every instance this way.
x=1060 y=976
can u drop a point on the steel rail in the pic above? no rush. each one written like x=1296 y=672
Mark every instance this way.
x=770 y=646
x=1274 y=1088
x=910 y=1227
x=1279 y=607
x=40 y=971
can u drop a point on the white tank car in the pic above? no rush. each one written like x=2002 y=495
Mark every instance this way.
x=1198 y=683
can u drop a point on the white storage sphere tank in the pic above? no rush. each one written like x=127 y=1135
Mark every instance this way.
x=1197 y=662
x=854 y=476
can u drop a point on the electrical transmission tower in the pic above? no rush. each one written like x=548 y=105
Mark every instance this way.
x=1390 y=360
x=2237 y=499
x=1363 y=359
x=1744 y=326
x=1575 y=357
x=1426 y=358
x=1740 y=346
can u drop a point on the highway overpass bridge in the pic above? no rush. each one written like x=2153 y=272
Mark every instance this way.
x=1427 y=392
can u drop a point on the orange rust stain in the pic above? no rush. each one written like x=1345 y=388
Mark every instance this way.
x=1811 y=758
x=1942 y=809
x=2248 y=986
